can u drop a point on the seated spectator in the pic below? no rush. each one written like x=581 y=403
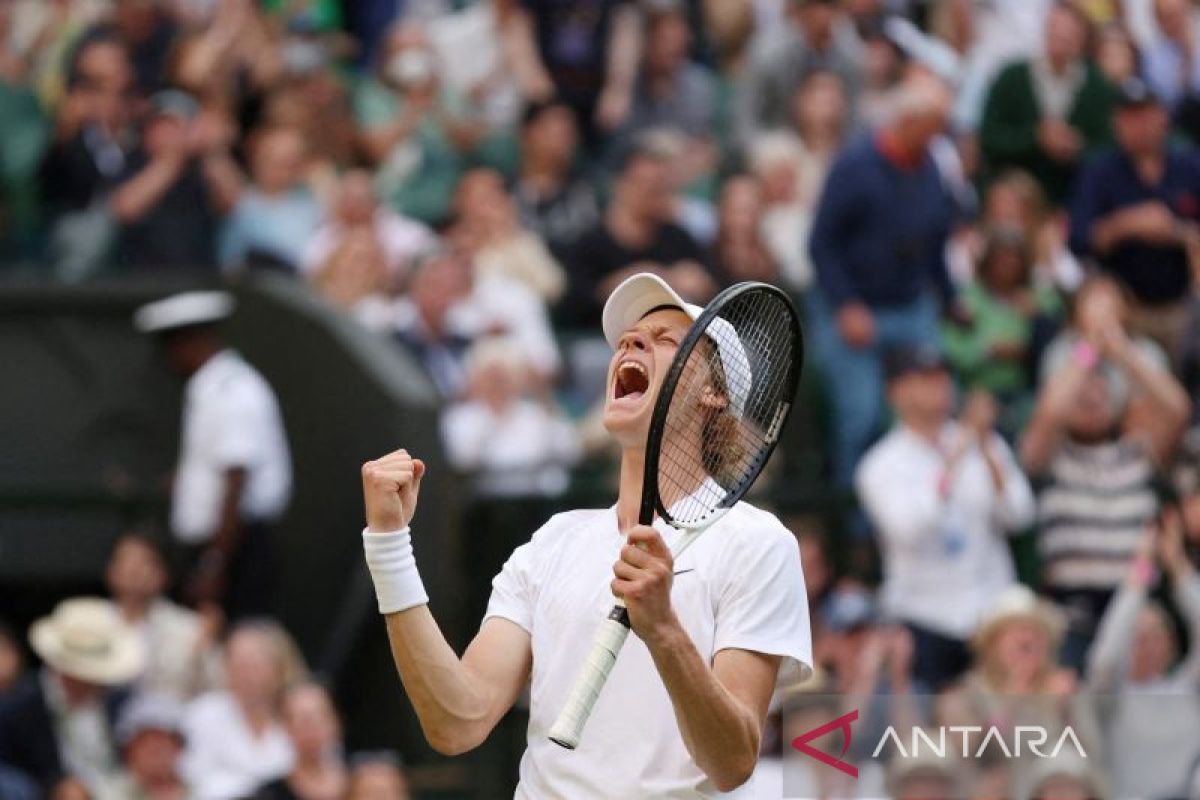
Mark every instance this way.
x=236 y=739
x=150 y=735
x=421 y=320
x=1094 y=464
x=273 y=216
x=174 y=190
x=1066 y=775
x=1115 y=54
x=883 y=68
x=1137 y=212
x=12 y=660
x=636 y=235
x=787 y=215
x=995 y=352
x=91 y=142
x=313 y=726
x=1044 y=114
x=1146 y=686
x=414 y=132
x=878 y=244
x=356 y=221
x=553 y=199
x=58 y=726
x=943 y=496
x=181 y=659
x=741 y=250
x=1167 y=59
x=378 y=776
x=488 y=229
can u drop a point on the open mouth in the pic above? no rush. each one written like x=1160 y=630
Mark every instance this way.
x=632 y=381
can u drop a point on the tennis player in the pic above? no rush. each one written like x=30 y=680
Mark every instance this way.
x=682 y=714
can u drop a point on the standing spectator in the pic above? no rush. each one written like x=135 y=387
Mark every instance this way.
x=174 y=189
x=815 y=36
x=1094 y=471
x=553 y=199
x=1136 y=661
x=1043 y=114
x=234 y=475
x=414 y=131
x=741 y=250
x=821 y=120
x=1169 y=59
x=181 y=660
x=273 y=217
x=943 y=496
x=1137 y=211
x=236 y=738
x=878 y=244
x=319 y=772
x=150 y=735
x=585 y=53
x=378 y=776
x=636 y=235
x=58 y=726
x=786 y=217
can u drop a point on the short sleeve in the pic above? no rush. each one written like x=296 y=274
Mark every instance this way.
x=512 y=595
x=238 y=439
x=764 y=607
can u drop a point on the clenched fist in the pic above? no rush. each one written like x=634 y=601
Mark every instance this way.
x=642 y=578
x=390 y=488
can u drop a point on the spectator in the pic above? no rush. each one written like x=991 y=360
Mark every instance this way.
x=740 y=249
x=943 y=495
x=815 y=36
x=148 y=31
x=236 y=738
x=488 y=229
x=274 y=216
x=821 y=120
x=58 y=726
x=422 y=321
x=1095 y=473
x=1135 y=659
x=174 y=189
x=234 y=475
x=414 y=131
x=319 y=772
x=1066 y=775
x=1168 y=62
x=878 y=244
x=787 y=213
x=883 y=68
x=1115 y=54
x=150 y=734
x=1044 y=114
x=996 y=351
x=378 y=776
x=1137 y=211
x=12 y=660
x=553 y=199
x=181 y=660
x=636 y=235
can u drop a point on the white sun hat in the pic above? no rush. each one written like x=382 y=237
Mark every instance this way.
x=86 y=639
x=183 y=310
x=640 y=294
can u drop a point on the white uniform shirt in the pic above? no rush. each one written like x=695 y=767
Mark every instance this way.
x=944 y=560
x=739 y=586
x=230 y=419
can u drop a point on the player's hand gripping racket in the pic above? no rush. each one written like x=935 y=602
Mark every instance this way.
x=720 y=411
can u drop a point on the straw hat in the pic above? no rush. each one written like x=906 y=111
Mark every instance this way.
x=86 y=639
x=1015 y=603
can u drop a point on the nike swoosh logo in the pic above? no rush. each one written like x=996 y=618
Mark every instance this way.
x=682 y=571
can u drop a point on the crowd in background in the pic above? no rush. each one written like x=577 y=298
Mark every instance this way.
x=988 y=214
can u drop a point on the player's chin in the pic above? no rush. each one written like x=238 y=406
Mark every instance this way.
x=625 y=417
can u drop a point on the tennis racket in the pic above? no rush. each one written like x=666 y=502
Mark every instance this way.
x=718 y=416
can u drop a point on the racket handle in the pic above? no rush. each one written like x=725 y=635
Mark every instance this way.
x=610 y=638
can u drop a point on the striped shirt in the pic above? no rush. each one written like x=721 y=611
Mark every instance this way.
x=1093 y=503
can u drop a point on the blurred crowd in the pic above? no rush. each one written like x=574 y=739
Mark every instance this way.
x=987 y=211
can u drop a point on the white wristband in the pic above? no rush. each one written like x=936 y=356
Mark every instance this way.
x=394 y=570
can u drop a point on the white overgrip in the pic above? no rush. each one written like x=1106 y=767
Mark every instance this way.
x=610 y=638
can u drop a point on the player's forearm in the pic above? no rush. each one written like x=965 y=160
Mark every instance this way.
x=720 y=733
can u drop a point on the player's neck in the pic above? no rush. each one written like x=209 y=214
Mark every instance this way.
x=629 y=494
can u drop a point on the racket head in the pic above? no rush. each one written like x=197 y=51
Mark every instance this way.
x=723 y=405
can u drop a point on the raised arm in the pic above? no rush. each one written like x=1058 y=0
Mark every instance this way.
x=1168 y=399
x=1045 y=429
x=458 y=701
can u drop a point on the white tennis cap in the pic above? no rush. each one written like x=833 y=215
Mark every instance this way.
x=640 y=294
x=183 y=310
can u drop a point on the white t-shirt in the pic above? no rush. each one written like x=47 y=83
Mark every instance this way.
x=224 y=760
x=230 y=419
x=739 y=586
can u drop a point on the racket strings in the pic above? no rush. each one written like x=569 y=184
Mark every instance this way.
x=718 y=430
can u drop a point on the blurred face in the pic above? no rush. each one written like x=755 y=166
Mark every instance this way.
x=1065 y=37
x=106 y=81
x=378 y=782
x=646 y=190
x=1171 y=16
x=1091 y=417
x=637 y=370
x=1005 y=268
x=278 y=162
x=135 y=572
x=1115 y=56
x=821 y=104
x=253 y=668
x=817 y=20
x=152 y=757
x=553 y=136
x=741 y=205
x=437 y=287
x=311 y=721
x=1142 y=130
x=1022 y=647
x=1005 y=206
x=923 y=396
x=356 y=200
x=1064 y=787
x=925 y=787
x=11 y=663
x=163 y=132
x=1153 y=646
x=409 y=62
x=482 y=197
x=669 y=41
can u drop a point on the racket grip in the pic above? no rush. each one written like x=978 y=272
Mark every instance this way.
x=610 y=638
